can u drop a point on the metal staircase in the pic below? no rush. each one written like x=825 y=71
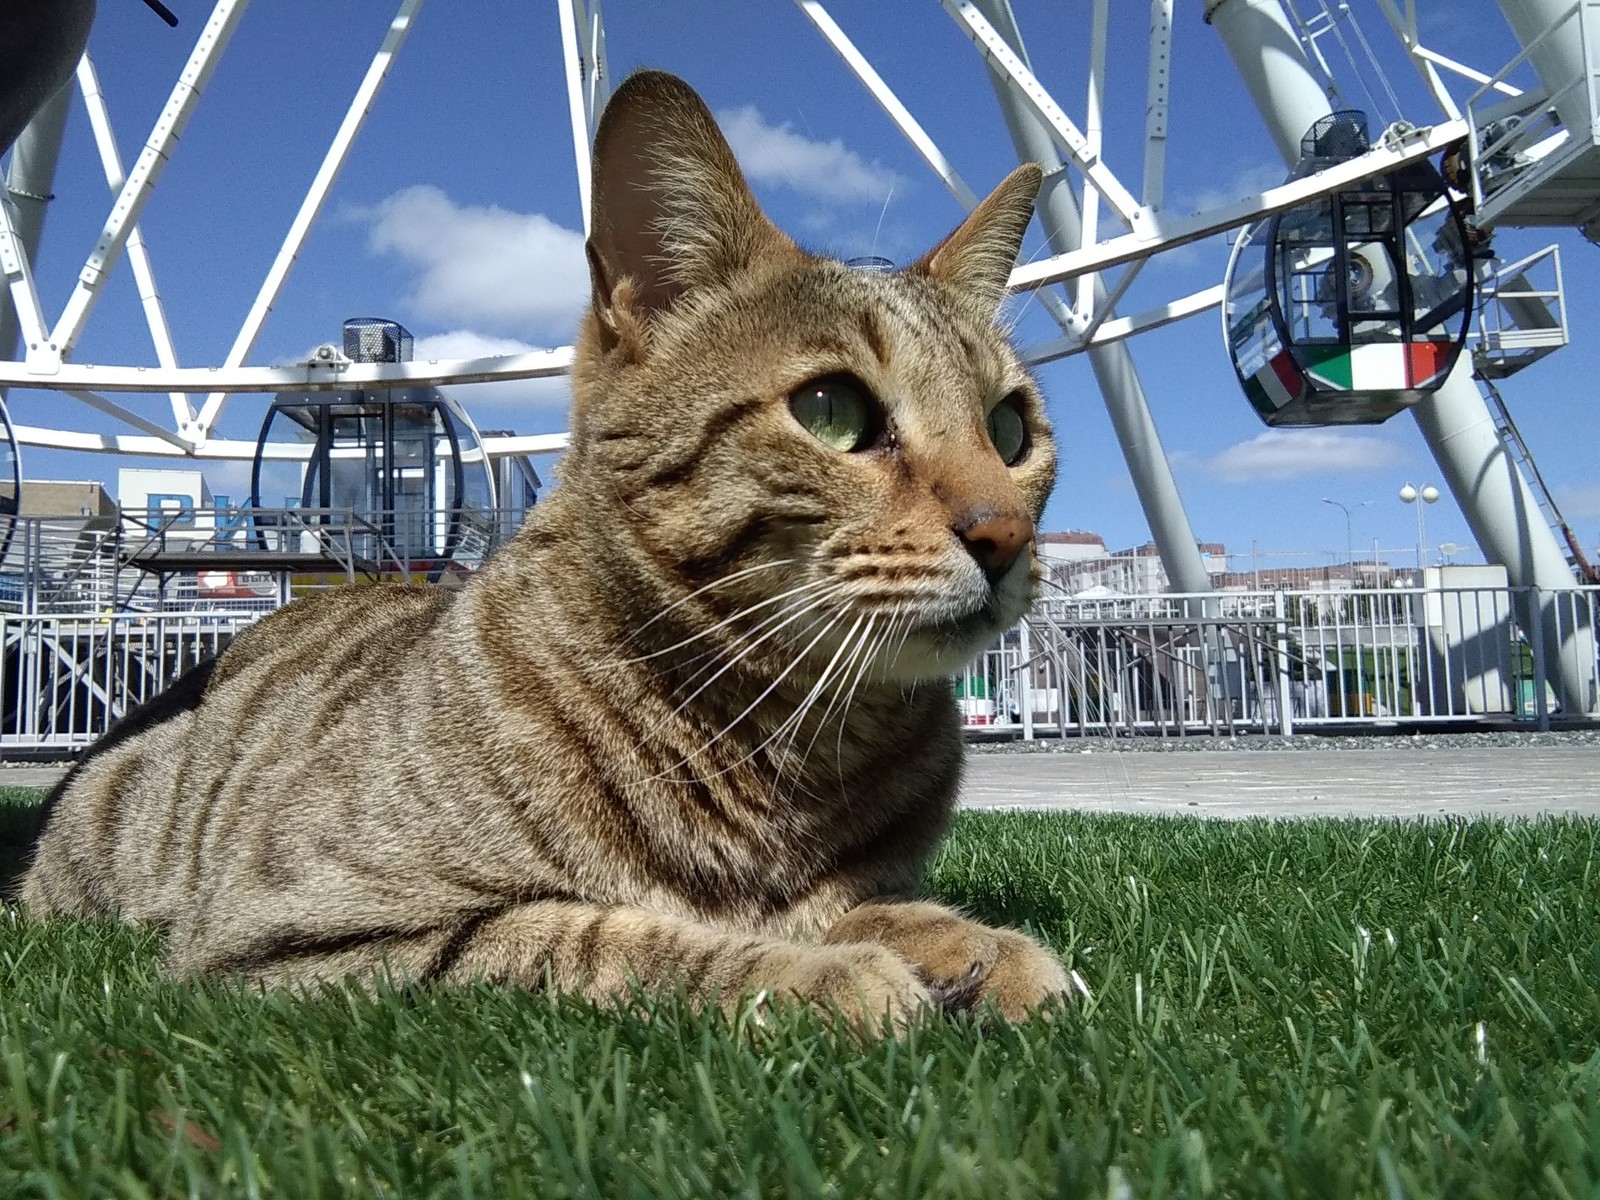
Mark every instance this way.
x=1512 y=437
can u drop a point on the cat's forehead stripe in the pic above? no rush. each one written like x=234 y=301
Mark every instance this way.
x=936 y=326
x=873 y=333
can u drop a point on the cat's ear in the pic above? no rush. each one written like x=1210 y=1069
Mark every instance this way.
x=976 y=260
x=671 y=210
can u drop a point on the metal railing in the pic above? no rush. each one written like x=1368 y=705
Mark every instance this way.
x=1517 y=322
x=1520 y=143
x=1272 y=662
x=235 y=559
x=64 y=680
x=1165 y=666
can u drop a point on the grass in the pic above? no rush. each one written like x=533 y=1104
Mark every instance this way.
x=1320 y=1008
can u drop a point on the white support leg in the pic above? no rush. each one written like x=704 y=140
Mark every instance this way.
x=155 y=315
x=129 y=417
x=577 y=67
x=1455 y=422
x=1113 y=364
x=29 y=185
x=1088 y=284
x=316 y=195
x=918 y=137
x=1010 y=72
x=18 y=276
x=1156 y=98
x=158 y=150
x=600 y=74
x=889 y=102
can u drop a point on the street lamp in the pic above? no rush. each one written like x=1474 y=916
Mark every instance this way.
x=1349 y=544
x=1426 y=494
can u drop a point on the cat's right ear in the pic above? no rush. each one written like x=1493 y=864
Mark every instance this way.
x=975 y=261
x=671 y=210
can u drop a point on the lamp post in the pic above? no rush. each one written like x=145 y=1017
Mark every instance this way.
x=1349 y=543
x=1426 y=494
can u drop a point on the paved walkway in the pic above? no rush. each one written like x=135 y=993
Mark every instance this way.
x=26 y=776
x=1397 y=782
x=1388 y=782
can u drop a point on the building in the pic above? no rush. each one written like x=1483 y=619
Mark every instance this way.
x=1078 y=565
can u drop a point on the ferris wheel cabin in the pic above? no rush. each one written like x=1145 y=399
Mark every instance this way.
x=1349 y=309
x=403 y=467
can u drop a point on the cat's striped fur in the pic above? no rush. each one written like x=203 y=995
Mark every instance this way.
x=693 y=725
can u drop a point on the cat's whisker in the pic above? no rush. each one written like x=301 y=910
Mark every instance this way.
x=910 y=624
x=811 y=605
x=849 y=667
x=863 y=666
x=845 y=682
x=771 y=624
x=754 y=704
x=716 y=653
x=720 y=581
x=723 y=624
x=796 y=719
x=857 y=654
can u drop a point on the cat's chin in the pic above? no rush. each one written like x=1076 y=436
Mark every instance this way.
x=942 y=650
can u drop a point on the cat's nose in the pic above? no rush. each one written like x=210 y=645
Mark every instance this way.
x=994 y=539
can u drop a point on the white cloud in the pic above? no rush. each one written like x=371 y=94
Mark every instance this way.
x=481 y=265
x=521 y=402
x=1247 y=181
x=230 y=478
x=777 y=155
x=1296 y=453
x=1579 y=503
x=1213 y=251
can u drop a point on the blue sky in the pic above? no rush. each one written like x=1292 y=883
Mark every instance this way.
x=458 y=215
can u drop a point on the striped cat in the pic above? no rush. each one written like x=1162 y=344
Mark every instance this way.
x=693 y=726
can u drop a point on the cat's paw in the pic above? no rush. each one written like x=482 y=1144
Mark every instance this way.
x=869 y=984
x=969 y=965
x=964 y=964
x=1024 y=978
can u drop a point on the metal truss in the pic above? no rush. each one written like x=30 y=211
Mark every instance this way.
x=1142 y=226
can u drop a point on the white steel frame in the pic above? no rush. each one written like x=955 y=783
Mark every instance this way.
x=1086 y=322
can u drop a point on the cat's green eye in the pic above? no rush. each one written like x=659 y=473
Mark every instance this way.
x=1008 y=432
x=837 y=412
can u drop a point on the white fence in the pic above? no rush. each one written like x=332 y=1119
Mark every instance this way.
x=65 y=679
x=1225 y=663
x=1274 y=661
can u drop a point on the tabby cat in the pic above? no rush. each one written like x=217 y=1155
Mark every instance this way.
x=693 y=725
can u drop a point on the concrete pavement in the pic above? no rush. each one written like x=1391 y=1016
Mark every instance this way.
x=1391 y=781
x=1387 y=782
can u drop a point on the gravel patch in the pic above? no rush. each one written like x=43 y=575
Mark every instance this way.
x=1304 y=742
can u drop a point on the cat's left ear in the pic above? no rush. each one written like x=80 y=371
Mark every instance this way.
x=976 y=260
x=671 y=211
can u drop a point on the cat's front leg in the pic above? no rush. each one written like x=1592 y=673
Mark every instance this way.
x=603 y=952
x=964 y=963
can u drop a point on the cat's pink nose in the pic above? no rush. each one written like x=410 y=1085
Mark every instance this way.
x=995 y=539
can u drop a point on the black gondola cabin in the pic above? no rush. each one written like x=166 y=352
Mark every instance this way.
x=1348 y=309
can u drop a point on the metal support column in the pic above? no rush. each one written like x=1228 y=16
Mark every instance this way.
x=1113 y=363
x=1455 y=421
x=30 y=182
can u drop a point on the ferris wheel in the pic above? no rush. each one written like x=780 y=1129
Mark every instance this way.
x=1350 y=298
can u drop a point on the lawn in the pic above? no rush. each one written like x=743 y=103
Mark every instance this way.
x=1327 y=1008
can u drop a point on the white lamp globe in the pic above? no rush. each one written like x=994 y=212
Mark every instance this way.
x=1408 y=493
x=1430 y=494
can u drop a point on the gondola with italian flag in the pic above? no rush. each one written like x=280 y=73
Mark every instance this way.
x=1346 y=310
